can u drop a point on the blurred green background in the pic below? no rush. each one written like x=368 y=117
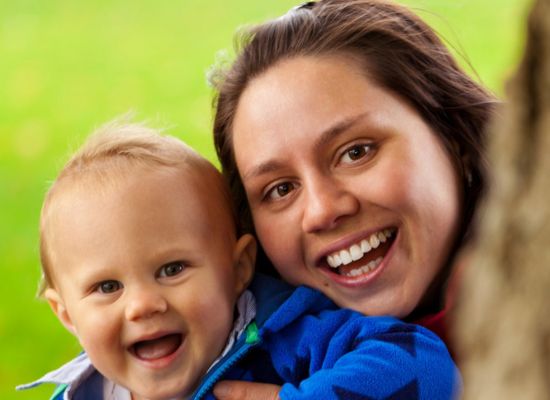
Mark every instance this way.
x=67 y=66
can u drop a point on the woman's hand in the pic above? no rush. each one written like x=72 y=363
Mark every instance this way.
x=238 y=390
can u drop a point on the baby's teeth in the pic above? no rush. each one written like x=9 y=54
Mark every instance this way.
x=356 y=252
x=365 y=246
x=374 y=241
x=345 y=256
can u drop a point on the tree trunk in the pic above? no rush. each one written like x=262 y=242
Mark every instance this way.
x=503 y=319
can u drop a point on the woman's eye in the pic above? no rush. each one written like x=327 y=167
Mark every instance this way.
x=355 y=153
x=107 y=287
x=171 y=269
x=280 y=190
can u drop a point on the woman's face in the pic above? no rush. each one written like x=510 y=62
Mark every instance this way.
x=351 y=192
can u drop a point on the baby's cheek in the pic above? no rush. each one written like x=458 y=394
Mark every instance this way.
x=209 y=328
x=98 y=330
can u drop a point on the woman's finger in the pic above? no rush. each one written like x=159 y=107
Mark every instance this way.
x=238 y=390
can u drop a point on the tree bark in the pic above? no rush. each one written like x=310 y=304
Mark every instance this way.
x=503 y=319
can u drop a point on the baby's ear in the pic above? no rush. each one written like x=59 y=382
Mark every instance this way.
x=244 y=260
x=58 y=307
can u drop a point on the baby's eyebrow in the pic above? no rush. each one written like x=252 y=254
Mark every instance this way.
x=94 y=274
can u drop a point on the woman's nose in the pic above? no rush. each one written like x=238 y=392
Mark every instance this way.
x=144 y=303
x=327 y=202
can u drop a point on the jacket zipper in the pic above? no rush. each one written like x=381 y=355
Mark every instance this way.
x=252 y=339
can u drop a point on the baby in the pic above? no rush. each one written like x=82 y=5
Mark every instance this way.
x=143 y=263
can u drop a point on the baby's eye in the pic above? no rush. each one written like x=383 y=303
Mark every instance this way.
x=171 y=269
x=109 y=286
x=280 y=190
x=356 y=153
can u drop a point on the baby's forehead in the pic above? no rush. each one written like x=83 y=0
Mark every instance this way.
x=200 y=181
x=155 y=199
x=106 y=177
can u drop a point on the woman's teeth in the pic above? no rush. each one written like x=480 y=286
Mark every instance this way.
x=358 y=250
x=365 y=268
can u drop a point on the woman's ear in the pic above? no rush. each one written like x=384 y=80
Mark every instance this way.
x=58 y=307
x=244 y=260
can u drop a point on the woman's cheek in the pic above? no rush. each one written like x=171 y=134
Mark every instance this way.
x=279 y=236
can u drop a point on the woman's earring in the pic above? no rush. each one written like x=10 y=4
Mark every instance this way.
x=469 y=178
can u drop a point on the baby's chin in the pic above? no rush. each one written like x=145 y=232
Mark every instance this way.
x=156 y=394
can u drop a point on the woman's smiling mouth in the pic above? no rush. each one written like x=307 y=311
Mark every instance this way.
x=362 y=257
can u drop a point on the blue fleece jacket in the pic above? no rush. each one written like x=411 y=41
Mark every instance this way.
x=301 y=340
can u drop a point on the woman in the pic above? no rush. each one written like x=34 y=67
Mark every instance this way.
x=353 y=144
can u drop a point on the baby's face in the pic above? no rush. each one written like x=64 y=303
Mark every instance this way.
x=146 y=276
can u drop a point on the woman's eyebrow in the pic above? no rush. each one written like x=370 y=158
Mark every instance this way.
x=326 y=136
x=338 y=128
x=263 y=168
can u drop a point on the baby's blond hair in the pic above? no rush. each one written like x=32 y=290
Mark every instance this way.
x=109 y=153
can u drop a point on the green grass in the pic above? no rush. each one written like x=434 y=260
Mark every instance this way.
x=66 y=67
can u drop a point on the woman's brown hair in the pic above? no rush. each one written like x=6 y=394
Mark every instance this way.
x=398 y=51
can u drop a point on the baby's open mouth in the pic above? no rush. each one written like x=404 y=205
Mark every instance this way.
x=157 y=348
x=364 y=256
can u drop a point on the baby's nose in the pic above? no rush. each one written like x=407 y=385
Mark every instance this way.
x=144 y=303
